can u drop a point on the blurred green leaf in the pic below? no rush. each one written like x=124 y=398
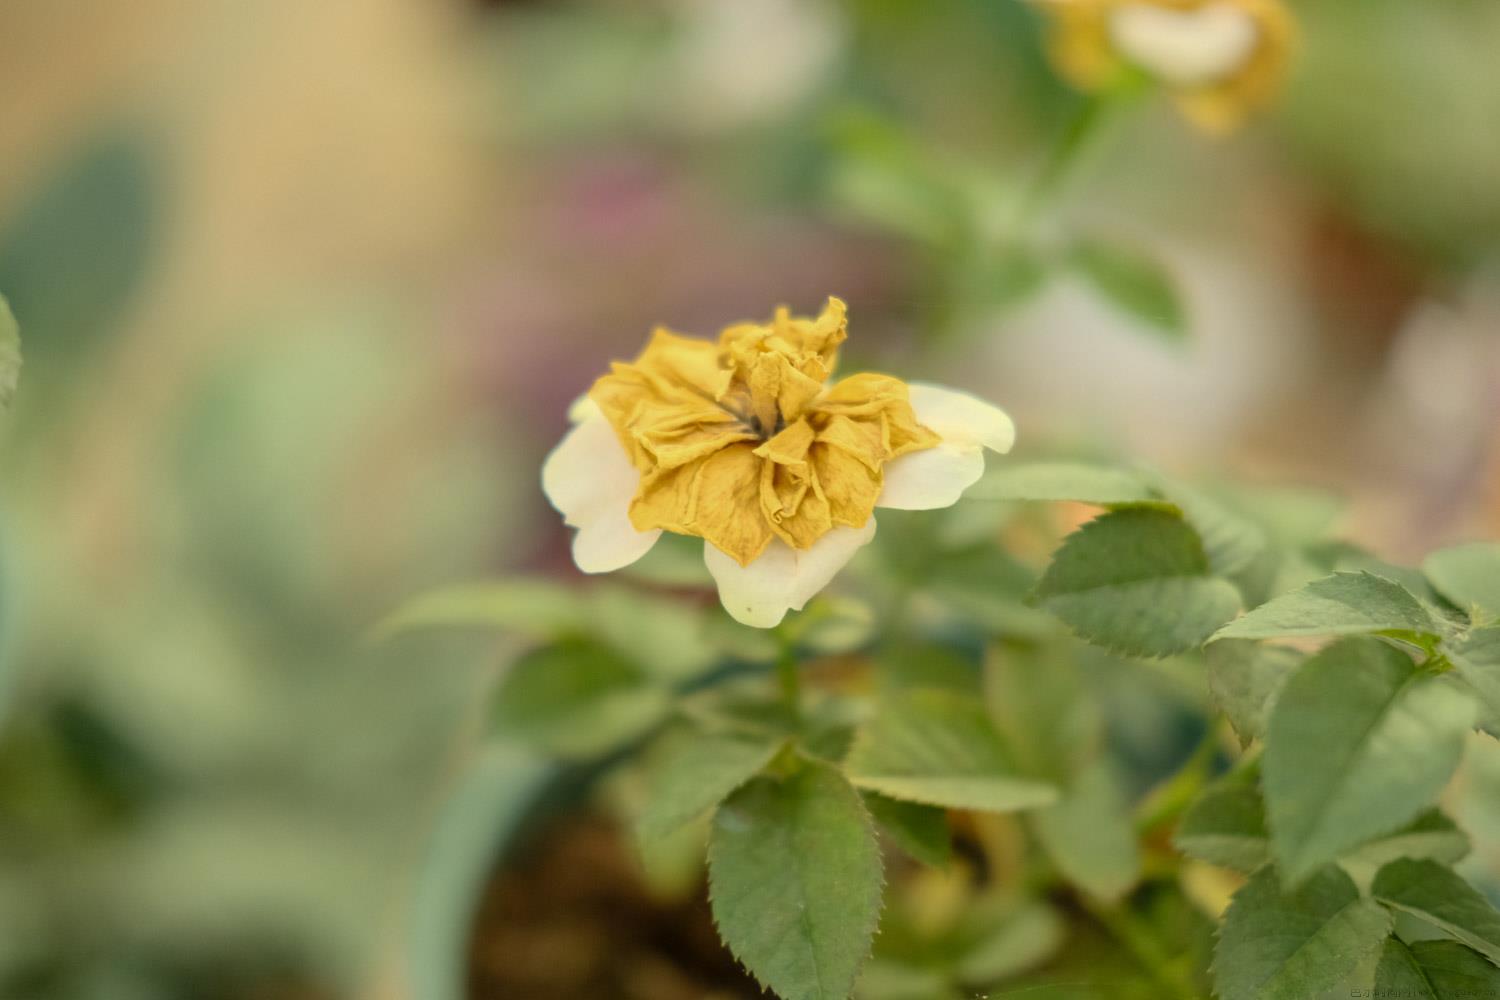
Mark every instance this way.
x=885 y=979
x=1358 y=744
x=674 y=561
x=1468 y=576
x=832 y=625
x=1095 y=484
x=801 y=847
x=1231 y=540
x=1005 y=941
x=940 y=749
x=576 y=698
x=691 y=771
x=10 y=353
x=665 y=637
x=1275 y=946
x=1244 y=679
x=1133 y=282
x=80 y=243
x=1226 y=827
x=1435 y=893
x=1431 y=835
x=1137 y=581
x=921 y=831
x=885 y=177
x=924 y=664
x=1089 y=836
x=537 y=609
x=1476 y=657
x=1039 y=705
x=985 y=586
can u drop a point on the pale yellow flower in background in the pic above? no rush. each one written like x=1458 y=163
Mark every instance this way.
x=1220 y=59
x=746 y=444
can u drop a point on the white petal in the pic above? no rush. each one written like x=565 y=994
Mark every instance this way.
x=931 y=478
x=1185 y=46
x=611 y=542
x=782 y=578
x=582 y=409
x=591 y=482
x=960 y=418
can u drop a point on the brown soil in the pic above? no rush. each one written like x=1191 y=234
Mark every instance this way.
x=570 y=919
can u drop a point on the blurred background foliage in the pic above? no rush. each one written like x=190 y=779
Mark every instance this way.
x=305 y=290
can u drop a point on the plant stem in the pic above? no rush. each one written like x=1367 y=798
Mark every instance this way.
x=1079 y=135
x=788 y=673
x=1172 y=797
x=1144 y=946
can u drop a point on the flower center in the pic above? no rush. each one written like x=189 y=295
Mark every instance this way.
x=743 y=442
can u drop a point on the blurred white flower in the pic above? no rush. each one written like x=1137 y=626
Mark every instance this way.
x=740 y=61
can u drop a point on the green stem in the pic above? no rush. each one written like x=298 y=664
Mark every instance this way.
x=1144 y=946
x=789 y=674
x=1079 y=136
x=1173 y=796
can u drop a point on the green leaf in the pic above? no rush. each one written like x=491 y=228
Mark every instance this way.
x=674 y=561
x=1244 y=679
x=1137 y=581
x=666 y=638
x=691 y=771
x=795 y=881
x=1476 y=657
x=1008 y=942
x=1430 y=835
x=534 y=608
x=10 y=353
x=1040 y=707
x=1134 y=282
x=907 y=664
x=1400 y=975
x=1468 y=576
x=940 y=749
x=1292 y=946
x=74 y=249
x=576 y=698
x=1434 y=970
x=1089 y=836
x=983 y=585
x=1341 y=604
x=1231 y=541
x=1061 y=481
x=886 y=979
x=1439 y=896
x=832 y=626
x=1358 y=744
x=1226 y=826
x=921 y=831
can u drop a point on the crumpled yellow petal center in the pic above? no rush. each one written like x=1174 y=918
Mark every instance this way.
x=743 y=441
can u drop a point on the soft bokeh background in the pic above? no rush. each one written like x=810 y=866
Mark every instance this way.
x=306 y=287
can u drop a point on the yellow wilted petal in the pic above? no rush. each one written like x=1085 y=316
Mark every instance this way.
x=741 y=441
x=716 y=498
x=794 y=505
x=790 y=446
x=850 y=486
